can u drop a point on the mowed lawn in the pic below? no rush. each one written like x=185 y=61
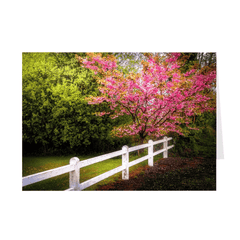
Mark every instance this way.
x=32 y=165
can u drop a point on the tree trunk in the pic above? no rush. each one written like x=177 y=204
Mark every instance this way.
x=210 y=58
x=140 y=151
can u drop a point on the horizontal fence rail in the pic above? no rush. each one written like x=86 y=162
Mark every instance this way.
x=99 y=178
x=158 y=152
x=46 y=174
x=91 y=161
x=132 y=163
x=73 y=168
x=160 y=141
x=131 y=149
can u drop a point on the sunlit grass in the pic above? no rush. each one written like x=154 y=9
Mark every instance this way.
x=32 y=165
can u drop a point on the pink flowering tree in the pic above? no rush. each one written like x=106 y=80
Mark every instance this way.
x=160 y=99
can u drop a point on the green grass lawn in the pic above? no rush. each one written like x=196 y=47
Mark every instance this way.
x=33 y=165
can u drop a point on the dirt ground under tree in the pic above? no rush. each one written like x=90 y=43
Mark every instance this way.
x=161 y=166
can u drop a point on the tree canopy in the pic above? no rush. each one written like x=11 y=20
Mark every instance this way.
x=56 y=115
x=159 y=99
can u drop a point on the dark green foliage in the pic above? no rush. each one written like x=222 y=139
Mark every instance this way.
x=192 y=59
x=199 y=58
x=198 y=143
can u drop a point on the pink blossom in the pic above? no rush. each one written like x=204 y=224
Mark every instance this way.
x=158 y=106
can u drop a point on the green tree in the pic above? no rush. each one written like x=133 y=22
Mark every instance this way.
x=39 y=74
x=56 y=116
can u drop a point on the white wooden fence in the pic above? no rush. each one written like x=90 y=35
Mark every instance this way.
x=75 y=164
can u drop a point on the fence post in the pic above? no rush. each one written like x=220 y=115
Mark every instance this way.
x=125 y=161
x=165 y=145
x=150 y=153
x=74 y=176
